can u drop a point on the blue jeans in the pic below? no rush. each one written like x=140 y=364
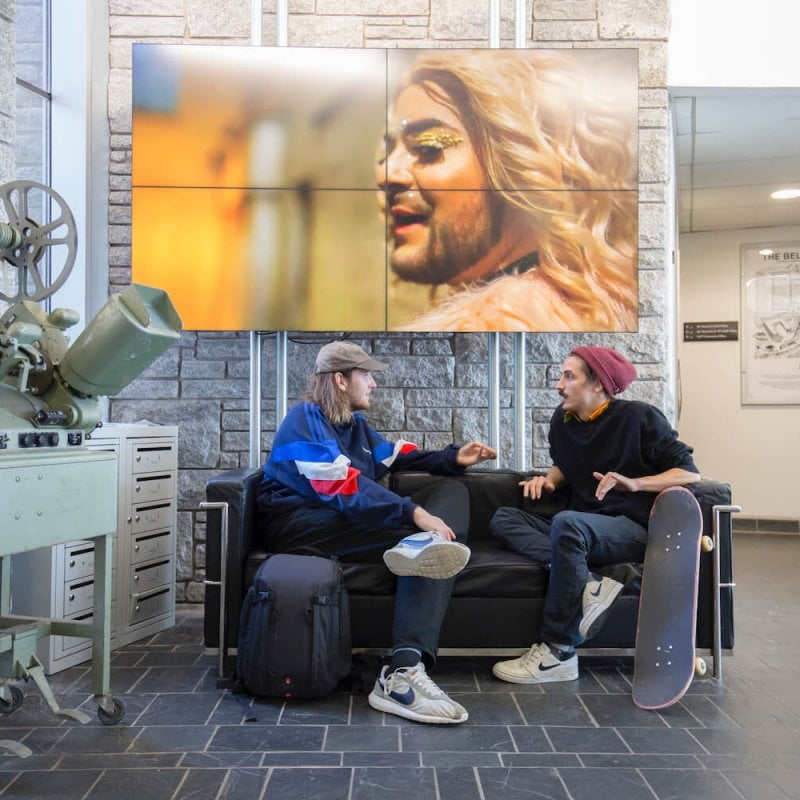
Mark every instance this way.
x=420 y=603
x=568 y=543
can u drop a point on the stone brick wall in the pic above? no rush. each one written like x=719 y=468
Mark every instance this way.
x=436 y=388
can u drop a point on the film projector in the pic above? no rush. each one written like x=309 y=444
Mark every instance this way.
x=53 y=488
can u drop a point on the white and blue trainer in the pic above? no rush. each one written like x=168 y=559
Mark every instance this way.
x=427 y=555
x=411 y=693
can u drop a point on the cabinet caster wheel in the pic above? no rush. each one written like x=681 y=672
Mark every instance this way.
x=6 y=707
x=707 y=544
x=117 y=715
x=700 y=667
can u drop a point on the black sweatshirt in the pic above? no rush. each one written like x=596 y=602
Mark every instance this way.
x=629 y=437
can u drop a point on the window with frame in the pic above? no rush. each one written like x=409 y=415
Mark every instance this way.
x=32 y=106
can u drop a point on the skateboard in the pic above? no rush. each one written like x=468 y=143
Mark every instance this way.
x=665 y=659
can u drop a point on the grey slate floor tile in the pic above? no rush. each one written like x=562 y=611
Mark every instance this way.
x=182 y=738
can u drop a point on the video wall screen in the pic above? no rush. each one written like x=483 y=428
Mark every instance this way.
x=317 y=189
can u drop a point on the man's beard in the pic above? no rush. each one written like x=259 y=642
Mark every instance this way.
x=454 y=247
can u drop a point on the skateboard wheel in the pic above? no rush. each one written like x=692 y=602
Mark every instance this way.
x=700 y=667
x=707 y=544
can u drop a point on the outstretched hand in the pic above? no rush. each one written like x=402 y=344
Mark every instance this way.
x=613 y=480
x=473 y=453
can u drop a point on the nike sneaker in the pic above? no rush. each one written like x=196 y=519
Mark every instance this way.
x=598 y=598
x=411 y=693
x=427 y=555
x=541 y=664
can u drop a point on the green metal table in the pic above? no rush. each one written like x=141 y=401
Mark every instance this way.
x=50 y=498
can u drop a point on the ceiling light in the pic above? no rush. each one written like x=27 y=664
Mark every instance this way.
x=785 y=194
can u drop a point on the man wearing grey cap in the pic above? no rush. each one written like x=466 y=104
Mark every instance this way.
x=321 y=489
x=615 y=456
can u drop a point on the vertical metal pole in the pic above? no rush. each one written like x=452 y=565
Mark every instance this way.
x=256 y=337
x=256 y=23
x=493 y=366
x=494 y=23
x=520 y=401
x=519 y=23
x=281 y=375
x=282 y=23
x=520 y=410
x=255 y=398
x=493 y=339
x=256 y=27
x=281 y=337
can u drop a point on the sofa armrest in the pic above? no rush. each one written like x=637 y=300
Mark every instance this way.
x=710 y=494
x=237 y=488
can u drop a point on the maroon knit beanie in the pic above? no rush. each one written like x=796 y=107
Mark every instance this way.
x=613 y=370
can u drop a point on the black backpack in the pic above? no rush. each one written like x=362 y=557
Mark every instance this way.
x=294 y=628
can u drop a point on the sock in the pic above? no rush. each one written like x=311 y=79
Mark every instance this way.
x=561 y=651
x=404 y=657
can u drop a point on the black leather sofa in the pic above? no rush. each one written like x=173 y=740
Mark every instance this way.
x=497 y=602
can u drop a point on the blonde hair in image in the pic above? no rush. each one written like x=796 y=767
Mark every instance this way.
x=335 y=404
x=565 y=160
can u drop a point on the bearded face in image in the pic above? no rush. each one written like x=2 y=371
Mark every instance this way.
x=442 y=218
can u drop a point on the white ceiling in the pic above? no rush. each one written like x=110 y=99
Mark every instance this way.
x=735 y=147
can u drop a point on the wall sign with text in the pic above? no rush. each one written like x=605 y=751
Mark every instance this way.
x=711 y=331
x=771 y=323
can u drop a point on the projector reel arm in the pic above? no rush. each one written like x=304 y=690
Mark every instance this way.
x=24 y=242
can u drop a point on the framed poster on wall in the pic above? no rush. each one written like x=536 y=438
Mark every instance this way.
x=770 y=323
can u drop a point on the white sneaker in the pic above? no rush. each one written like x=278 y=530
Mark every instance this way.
x=410 y=692
x=538 y=665
x=598 y=597
x=427 y=555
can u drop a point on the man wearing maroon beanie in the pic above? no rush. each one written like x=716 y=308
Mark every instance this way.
x=615 y=456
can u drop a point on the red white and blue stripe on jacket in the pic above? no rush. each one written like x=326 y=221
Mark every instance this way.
x=340 y=465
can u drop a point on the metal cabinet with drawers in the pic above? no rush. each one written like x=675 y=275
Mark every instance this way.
x=148 y=464
x=58 y=581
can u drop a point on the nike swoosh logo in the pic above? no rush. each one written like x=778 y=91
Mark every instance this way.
x=597 y=593
x=543 y=668
x=418 y=543
x=406 y=698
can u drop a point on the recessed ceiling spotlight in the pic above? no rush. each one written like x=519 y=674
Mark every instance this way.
x=765 y=252
x=785 y=194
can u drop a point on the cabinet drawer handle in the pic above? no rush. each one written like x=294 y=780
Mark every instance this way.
x=72 y=597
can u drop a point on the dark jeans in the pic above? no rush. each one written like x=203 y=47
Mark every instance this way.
x=569 y=543
x=420 y=603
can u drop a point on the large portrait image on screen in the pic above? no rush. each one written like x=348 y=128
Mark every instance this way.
x=364 y=190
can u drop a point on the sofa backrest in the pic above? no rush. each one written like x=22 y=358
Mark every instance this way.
x=489 y=489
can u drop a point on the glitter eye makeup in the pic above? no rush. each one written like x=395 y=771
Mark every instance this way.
x=436 y=139
x=424 y=138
